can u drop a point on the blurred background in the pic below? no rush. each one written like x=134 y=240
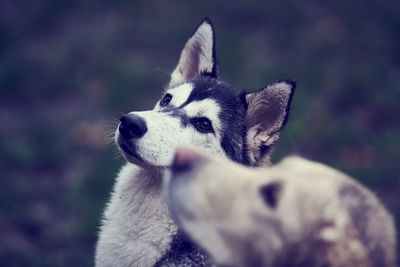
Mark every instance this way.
x=69 y=69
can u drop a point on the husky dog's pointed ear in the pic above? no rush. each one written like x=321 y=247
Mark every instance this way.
x=267 y=113
x=198 y=55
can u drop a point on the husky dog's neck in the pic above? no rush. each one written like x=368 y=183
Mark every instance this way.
x=137 y=228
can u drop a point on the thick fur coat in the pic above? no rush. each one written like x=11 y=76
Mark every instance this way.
x=196 y=109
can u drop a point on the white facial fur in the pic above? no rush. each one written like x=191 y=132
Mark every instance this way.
x=179 y=94
x=165 y=133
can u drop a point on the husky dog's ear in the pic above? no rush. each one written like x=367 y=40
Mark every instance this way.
x=198 y=55
x=267 y=113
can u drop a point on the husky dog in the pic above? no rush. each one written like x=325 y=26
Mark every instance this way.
x=196 y=109
x=296 y=213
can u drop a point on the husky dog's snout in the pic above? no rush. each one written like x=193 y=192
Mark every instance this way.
x=132 y=126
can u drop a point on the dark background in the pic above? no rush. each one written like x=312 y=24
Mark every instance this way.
x=69 y=69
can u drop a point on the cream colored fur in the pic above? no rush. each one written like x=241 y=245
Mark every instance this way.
x=219 y=204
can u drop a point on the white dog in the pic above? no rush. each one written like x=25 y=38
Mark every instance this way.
x=296 y=213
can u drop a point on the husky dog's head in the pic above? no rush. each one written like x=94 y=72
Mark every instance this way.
x=199 y=110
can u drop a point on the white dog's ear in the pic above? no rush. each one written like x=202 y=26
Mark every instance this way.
x=198 y=55
x=271 y=193
x=267 y=113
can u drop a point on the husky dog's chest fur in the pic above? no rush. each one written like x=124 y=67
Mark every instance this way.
x=198 y=110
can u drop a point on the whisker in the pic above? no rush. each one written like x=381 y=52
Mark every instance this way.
x=162 y=70
x=111 y=127
x=116 y=153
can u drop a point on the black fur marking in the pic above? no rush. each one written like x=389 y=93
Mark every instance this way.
x=242 y=97
x=264 y=149
x=205 y=87
x=130 y=151
x=176 y=113
x=179 y=113
x=232 y=115
x=245 y=150
x=184 y=253
x=228 y=146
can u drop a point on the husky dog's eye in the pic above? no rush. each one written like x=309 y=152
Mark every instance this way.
x=202 y=125
x=166 y=99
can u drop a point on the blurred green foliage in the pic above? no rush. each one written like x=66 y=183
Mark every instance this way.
x=69 y=69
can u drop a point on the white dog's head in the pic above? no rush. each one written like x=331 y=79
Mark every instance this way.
x=275 y=216
x=200 y=111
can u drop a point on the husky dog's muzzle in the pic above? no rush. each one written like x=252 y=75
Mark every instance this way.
x=132 y=127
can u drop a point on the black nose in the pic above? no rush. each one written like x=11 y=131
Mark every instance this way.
x=132 y=126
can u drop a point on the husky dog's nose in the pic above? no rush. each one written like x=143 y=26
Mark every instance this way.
x=132 y=126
